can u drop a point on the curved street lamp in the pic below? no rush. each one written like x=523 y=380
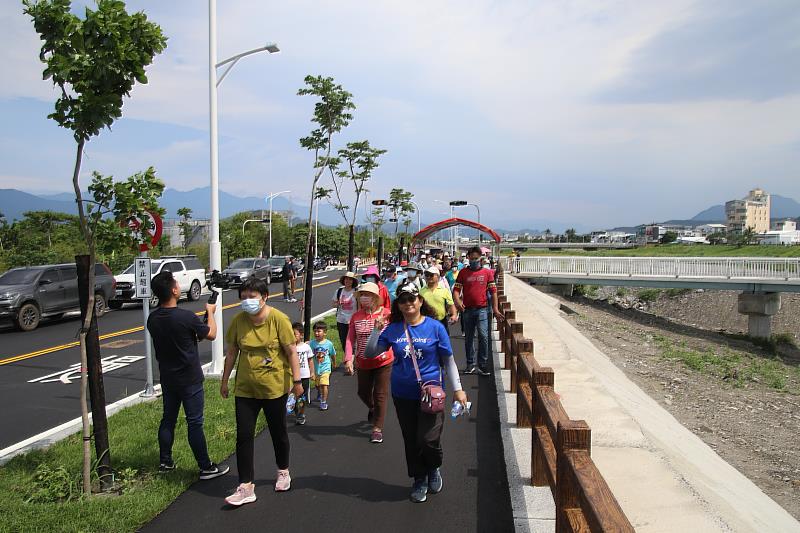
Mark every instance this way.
x=215 y=249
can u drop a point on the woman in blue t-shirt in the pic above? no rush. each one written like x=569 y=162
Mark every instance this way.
x=422 y=432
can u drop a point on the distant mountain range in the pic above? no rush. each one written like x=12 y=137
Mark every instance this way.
x=13 y=203
x=780 y=207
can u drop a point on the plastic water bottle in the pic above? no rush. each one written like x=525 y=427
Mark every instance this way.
x=459 y=410
x=290 y=403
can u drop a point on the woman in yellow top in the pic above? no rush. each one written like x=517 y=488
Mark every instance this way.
x=439 y=298
x=262 y=340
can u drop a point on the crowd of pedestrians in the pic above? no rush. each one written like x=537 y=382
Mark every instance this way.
x=393 y=325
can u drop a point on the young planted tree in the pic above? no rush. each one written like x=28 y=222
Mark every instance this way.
x=94 y=62
x=400 y=206
x=331 y=115
x=359 y=160
x=186 y=227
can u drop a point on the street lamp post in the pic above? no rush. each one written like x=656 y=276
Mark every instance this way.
x=269 y=199
x=215 y=249
x=416 y=208
x=452 y=232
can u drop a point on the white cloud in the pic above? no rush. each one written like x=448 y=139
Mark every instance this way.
x=497 y=98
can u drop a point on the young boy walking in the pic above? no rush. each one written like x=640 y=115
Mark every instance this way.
x=324 y=358
x=175 y=335
x=306 y=356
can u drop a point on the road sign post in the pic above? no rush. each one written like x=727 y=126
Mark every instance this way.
x=143 y=272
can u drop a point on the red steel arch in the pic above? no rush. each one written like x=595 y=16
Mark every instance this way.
x=429 y=230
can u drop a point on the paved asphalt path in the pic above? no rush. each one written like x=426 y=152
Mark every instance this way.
x=30 y=408
x=341 y=482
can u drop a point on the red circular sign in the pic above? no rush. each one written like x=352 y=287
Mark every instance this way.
x=135 y=224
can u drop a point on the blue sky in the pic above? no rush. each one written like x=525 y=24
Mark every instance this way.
x=593 y=113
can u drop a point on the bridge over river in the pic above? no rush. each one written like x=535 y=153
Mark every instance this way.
x=760 y=279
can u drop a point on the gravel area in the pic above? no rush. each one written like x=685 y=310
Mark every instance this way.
x=742 y=399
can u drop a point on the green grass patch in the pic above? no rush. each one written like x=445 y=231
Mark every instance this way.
x=40 y=490
x=589 y=291
x=621 y=292
x=675 y=292
x=648 y=295
x=737 y=368
x=682 y=250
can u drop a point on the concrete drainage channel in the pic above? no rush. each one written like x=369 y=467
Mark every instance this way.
x=53 y=435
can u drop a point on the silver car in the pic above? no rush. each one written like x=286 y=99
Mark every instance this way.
x=243 y=269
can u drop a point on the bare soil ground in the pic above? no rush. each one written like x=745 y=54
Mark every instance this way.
x=741 y=398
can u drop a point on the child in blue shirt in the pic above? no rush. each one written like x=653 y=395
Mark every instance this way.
x=324 y=361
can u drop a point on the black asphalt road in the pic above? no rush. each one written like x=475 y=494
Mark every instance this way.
x=342 y=483
x=30 y=408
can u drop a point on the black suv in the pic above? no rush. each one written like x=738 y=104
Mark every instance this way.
x=27 y=294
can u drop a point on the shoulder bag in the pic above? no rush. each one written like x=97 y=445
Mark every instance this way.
x=432 y=396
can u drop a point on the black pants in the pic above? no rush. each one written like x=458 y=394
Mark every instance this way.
x=343 y=329
x=422 y=436
x=247 y=410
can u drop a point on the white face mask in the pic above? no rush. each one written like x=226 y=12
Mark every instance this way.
x=251 y=305
x=366 y=301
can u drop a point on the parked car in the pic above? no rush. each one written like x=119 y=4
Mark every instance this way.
x=243 y=269
x=186 y=269
x=28 y=294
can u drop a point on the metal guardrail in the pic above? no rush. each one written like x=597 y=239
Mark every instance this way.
x=697 y=268
x=560 y=447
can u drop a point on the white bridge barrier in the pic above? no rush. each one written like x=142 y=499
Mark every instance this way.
x=751 y=269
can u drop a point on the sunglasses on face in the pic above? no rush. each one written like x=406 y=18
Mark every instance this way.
x=406 y=299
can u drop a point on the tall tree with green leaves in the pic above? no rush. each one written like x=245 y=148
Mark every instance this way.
x=186 y=227
x=94 y=61
x=359 y=160
x=332 y=113
x=570 y=234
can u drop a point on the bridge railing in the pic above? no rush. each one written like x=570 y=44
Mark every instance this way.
x=560 y=447
x=738 y=268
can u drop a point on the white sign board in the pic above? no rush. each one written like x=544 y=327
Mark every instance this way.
x=142 y=279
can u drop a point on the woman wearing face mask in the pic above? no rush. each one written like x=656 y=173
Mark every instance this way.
x=373 y=276
x=413 y=272
x=374 y=373
x=262 y=340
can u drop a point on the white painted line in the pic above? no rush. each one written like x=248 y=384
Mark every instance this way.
x=53 y=435
x=319 y=277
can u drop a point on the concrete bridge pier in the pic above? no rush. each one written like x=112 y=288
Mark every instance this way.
x=759 y=308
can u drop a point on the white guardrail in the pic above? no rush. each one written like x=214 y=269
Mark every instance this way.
x=717 y=268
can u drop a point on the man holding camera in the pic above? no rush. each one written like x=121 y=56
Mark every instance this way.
x=175 y=334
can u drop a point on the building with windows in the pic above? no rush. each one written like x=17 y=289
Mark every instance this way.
x=749 y=212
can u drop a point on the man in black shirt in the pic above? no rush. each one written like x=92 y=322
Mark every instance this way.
x=175 y=334
x=289 y=275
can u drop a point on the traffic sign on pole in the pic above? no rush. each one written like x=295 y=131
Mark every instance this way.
x=143 y=272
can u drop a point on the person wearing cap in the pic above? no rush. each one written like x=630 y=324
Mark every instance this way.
x=471 y=295
x=413 y=275
x=413 y=332
x=423 y=263
x=392 y=278
x=438 y=298
x=371 y=275
x=373 y=373
x=345 y=303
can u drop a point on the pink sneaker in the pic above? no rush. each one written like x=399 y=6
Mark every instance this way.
x=284 y=481
x=245 y=493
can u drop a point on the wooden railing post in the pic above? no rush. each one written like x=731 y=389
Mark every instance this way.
x=524 y=348
x=573 y=435
x=542 y=378
x=524 y=391
x=505 y=337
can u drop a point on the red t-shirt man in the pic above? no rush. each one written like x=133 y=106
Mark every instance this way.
x=472 y=285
